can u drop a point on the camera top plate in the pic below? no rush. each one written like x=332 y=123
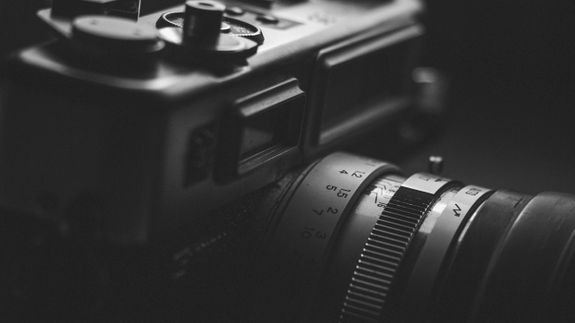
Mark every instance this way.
x=314 y=25
x=164 y=138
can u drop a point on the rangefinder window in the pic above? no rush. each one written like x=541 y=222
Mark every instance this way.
x=361 y=79
x=375 y=74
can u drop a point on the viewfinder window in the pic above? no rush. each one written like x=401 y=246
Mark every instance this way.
x=265 y=130
x=262 y=128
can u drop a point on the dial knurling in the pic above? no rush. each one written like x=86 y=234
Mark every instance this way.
x=378 y=264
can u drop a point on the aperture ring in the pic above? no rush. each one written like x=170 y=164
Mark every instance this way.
x=388 y=242
x=424 y=274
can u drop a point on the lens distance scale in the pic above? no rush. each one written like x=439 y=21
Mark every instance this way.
x=314 y=213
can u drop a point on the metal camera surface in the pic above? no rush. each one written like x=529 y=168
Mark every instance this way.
x=158 y=125
x=183 y=166
x=353 y=240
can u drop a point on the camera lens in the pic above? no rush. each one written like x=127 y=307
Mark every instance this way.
x=353 y=240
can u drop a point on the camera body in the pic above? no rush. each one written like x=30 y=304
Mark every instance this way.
x=178 y=166
x=139 y=149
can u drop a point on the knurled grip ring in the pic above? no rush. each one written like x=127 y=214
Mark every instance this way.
x=388 y=242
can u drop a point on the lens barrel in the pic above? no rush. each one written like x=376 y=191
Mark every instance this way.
x=353 y=240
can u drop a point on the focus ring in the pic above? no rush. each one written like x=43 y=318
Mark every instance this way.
x=381 y=257
x=301 y=239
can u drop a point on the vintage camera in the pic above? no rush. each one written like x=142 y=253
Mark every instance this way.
x=154 y=134
x=178 y=166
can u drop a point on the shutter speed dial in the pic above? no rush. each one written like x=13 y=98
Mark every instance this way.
x=231 y=26
x=200 y=35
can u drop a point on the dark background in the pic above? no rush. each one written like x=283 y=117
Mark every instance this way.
x=511 y=118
